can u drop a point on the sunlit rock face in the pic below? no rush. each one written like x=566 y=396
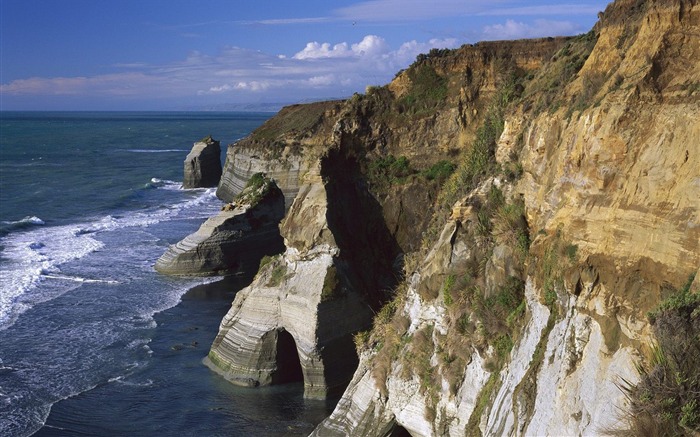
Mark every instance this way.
x=610 y=184
x=242 y=163
x=579 y=218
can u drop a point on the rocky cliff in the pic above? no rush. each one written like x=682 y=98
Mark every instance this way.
x=607 y=168
x=542 y=199
x=203 y=164
x=297 y=318
x=236 y=239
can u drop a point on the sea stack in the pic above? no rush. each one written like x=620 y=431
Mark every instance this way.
x=203 y=164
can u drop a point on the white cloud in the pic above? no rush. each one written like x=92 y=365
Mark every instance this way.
x=512 y=29
x=321 y=81
x=253 y=85
x=371 y=45
x=235 y=73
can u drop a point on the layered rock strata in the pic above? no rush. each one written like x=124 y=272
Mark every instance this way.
x=610 y=187
x=242 y=163
x=319 y=292
x=203 y=165
x=234 y=241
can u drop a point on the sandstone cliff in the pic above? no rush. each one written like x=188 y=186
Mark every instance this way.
x=542 y=199
x=203 y=165
x=610 y=168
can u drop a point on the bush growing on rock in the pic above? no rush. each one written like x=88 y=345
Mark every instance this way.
x=666 y=401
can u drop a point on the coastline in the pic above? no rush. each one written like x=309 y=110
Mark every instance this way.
x=174 y=393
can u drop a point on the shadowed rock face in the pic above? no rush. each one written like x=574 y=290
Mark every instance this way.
x=203 y=165
x=234 y=241
x=320 y=291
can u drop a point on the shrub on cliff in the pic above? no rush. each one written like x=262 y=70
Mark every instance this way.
x=666 y=401
x=256 y=189
x=387 y=171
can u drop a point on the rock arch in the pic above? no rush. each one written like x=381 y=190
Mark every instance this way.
x=288 y=364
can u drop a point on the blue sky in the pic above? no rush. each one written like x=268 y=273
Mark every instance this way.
x=177 y=54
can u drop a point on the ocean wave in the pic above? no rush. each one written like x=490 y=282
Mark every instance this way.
x=165 y=184
x=26 y=222
x=34 y=255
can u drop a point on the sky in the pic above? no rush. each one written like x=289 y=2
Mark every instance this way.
x=210 y=54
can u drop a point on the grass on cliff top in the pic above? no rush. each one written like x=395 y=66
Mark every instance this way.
x=292 y=120
x=544 y=91
x=427 y=93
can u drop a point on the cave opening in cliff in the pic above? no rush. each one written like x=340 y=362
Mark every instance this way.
x=399 y=431
x=288 y=364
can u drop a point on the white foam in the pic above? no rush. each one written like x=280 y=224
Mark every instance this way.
x=79 y=279
x=29 y=220
x=34 y=255
x=165 y=184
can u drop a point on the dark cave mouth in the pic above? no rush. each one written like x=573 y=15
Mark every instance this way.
x=288 y=363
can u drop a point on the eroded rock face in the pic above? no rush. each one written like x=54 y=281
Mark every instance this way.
x=615 y=181
x=234 y=241
x=242 y=163
x=203 y=165
x=316 y=291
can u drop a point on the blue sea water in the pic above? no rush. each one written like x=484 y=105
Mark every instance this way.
x=92 y=340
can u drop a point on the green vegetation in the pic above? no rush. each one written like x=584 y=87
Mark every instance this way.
x=556 y=259
x=208 y=139
x=387 y=171
x=265 y=260
x=361 y=340
x=440 y=171
x=291 y=120
x=544 y=91
x=447 y=288
x=427 y=93
x=683 y=298
x=482 y=401
x=666 y=400
x=330 y=284
x=479 y=160
x=256 y=189
x=278 y=274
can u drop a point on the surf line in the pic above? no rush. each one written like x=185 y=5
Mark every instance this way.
x=79 y=279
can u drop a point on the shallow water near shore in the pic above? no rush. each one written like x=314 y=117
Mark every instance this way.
x=92 y=340
x=175 y=394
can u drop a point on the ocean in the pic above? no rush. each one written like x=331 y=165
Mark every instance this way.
x=94 y=342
